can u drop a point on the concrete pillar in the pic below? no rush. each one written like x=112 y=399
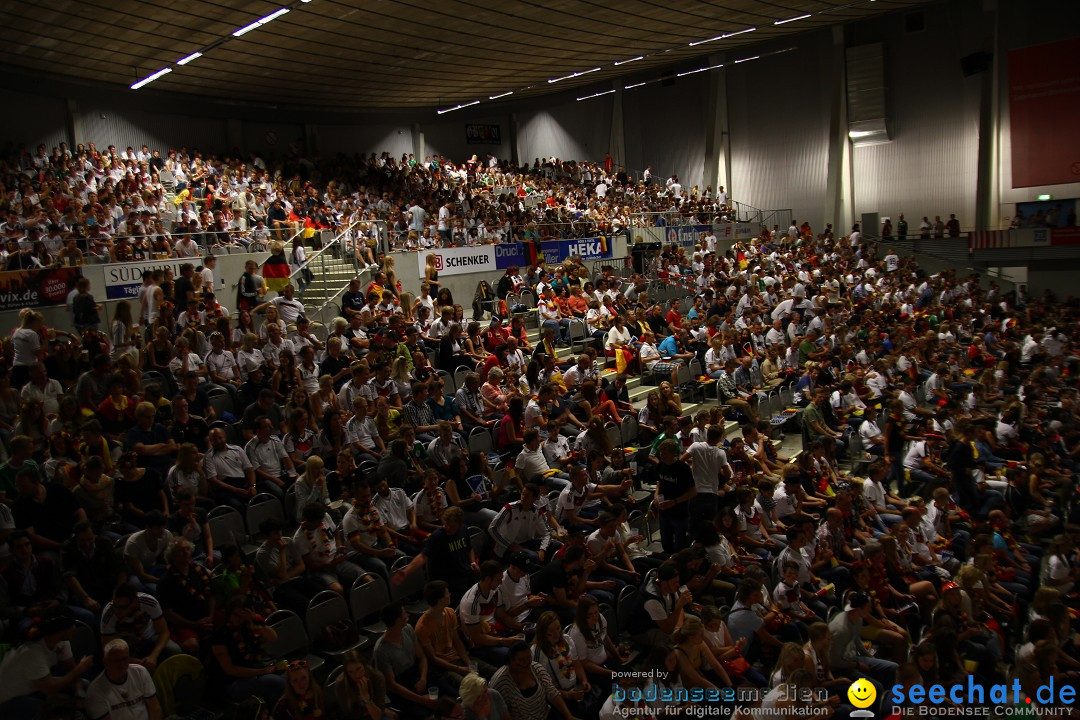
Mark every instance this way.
x=988 y=178
x=311 y=140
x=717 y=138
x=617 y=139
x=73 y=124
x=234 y=134
x=418 y=142
x=515 y=149
x=839 y=192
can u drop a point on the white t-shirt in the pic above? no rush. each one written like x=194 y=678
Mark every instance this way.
x=28 y=663
x=137 y=548
x=26 y=343
x=121 y=701
x=476 y=607
x=915 y=455
x=1057 y=568
x=707 y=461
x=589 y=649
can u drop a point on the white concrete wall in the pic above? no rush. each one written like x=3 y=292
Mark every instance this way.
x=227 y=275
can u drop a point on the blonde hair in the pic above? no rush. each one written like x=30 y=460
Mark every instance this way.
x=691 y=627
x=314 y=464
x=472 y=685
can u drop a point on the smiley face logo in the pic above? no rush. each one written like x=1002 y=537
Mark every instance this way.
x=862 y=693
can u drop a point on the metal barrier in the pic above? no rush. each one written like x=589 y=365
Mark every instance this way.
x=321 y=278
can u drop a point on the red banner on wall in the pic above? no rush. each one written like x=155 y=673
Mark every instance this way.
x=1065 y=236
x=30 y=288
x=1044 y=104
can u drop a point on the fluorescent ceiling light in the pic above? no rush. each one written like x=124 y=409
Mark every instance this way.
x=633 y=59
x=247 y=28
x=573 y=75
x=631 y=87
x=274 y=15
x=736 y=62
x=725 y=36
x=793 y=19
x=189 y=58
x=262 y=21
x=856 y=134
x=500 y=95
x=458 y=107
x=151 y=78
x=594 y=95
x=692 y=72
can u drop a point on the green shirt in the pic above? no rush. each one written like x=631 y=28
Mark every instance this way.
x=812 y=415
x=805 y=348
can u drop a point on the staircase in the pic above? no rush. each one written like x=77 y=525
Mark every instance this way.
x=332 y=276
x=637 y=390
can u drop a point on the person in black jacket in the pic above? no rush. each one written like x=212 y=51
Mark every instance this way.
x=452 y=352
x=247 y=290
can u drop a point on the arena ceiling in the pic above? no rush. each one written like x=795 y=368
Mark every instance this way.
x=381 y=54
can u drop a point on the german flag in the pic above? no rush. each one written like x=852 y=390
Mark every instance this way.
x=276 y=271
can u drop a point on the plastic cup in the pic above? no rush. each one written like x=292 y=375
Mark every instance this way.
x=433 y=693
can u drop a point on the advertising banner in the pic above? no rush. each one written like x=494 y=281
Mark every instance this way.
x=485 y=258
x=30 y=288
x=459 y=261
x=1044 y=101
x=555 y=251
x=478 y=134
x=122 y=280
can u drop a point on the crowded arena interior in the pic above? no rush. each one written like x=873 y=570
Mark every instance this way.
x=302 y=431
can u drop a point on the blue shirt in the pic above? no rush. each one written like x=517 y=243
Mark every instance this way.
x=157 y=434
x=668 y=348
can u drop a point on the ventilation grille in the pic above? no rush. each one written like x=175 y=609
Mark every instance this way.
x=866 y=94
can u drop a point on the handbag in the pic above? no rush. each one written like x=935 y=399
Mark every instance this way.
x=736 y=666
x=340 y=635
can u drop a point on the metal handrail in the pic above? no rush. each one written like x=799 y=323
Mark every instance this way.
x=304 y=265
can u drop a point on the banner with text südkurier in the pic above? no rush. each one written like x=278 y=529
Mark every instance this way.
x=30 y=288
x=122 y=280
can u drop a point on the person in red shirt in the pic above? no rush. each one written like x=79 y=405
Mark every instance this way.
x=674 y=317
x=495 y=359
x=496 y=334
x=578 y=303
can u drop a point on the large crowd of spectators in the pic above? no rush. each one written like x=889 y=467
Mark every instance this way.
x=922 y=533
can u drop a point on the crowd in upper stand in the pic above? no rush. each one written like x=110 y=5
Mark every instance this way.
x=921 y=533
x=63 y=206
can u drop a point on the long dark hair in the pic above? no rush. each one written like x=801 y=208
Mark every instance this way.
x=581 y=618
x=516 y=409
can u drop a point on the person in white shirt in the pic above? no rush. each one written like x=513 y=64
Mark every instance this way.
x=288 y=307
x=26 y=679
x=398 y=516
x=531 y=463
x=125 y=691
x=520 y=527
x=479 y=608
x=186 y=247
x=711 y=471
x=870 y=432
x=43 y=389
x=221 y=365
